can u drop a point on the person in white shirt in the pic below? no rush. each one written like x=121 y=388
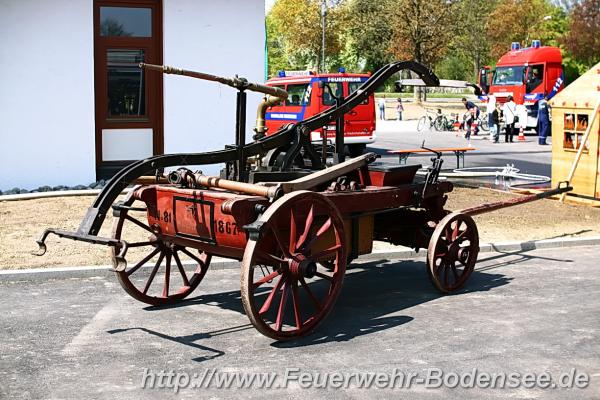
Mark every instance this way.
x=491 y=106
x=509 y=110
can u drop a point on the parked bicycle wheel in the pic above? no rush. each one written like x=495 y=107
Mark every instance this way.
x=424 y=123
x=441 y=123
x=484 y=123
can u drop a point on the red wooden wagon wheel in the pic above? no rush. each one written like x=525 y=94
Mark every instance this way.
x=293 y=274
x=452 y=252
x=176 y=270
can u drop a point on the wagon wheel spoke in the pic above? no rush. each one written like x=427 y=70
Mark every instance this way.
x=165 y=292
x=456 y=230
x=142 y=244
x=324 y=276
x=267 y=304
x=138 y=223
x=454 y=272
x=319 y=233
x=296 y=304
x=292 y=232
x=181 y=270
x=460 y=236
x=271 y=257
x=153 y=273
x=327 y=252
x=282 y=304
x=446 y=275
x=307 y=225
x=310 y=293
x=438 y=265
x=142 y=262
x=266 y=279
x=280 y=244
x=191 y=255
x=448 y=233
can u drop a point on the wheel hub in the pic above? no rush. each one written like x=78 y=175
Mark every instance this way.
x=302 y=267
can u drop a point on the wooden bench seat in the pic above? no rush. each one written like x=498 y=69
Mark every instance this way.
x=459 y=152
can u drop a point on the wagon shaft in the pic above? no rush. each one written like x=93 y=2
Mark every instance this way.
x=563 y=187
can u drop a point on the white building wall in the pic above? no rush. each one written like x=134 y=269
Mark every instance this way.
x=220 y=37
x=46 y=93
x=47 y=83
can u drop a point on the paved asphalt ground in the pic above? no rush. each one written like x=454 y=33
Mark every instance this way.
x=528 y=156
x=522 y=312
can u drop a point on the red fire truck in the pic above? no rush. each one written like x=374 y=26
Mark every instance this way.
x=526 y=74
x=309 y=96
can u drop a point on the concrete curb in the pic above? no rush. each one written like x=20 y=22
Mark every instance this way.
x=218 y=263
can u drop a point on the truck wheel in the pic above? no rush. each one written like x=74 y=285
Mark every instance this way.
x=355 y=150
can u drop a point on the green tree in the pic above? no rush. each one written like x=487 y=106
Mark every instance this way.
x=516 y=21
x=420 y=31
x=276 y=54
x=368 y=33
x=583 y=37
x=456 y=65
x=294 y=28
x=471 y=41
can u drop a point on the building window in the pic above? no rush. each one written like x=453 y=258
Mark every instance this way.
x=126 y=86
x=125 y=21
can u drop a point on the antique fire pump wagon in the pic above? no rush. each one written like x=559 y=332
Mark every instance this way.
x=293 y=217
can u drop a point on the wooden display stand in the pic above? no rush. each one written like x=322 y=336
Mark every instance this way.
x=576 y=137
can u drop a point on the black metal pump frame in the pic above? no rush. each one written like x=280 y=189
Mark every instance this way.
x=292 y=137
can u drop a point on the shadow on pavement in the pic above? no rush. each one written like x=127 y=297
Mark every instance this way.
x=521 y=256
x=371 y=292
x=377 y=290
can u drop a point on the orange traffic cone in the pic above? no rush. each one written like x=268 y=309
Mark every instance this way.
x=521 y=135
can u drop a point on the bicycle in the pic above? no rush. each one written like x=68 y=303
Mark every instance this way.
x=439 y=121
x=482 y=122
x=424 y=122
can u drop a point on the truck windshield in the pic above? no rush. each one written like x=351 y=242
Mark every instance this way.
x=298 y=95
x=509 y=75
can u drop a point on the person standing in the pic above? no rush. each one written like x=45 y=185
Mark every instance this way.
x=491 y=107
x=543 y=126
x=510 y=111
x=399 y=109
x=495 y=124
x=381 y=104
x=474 y=111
